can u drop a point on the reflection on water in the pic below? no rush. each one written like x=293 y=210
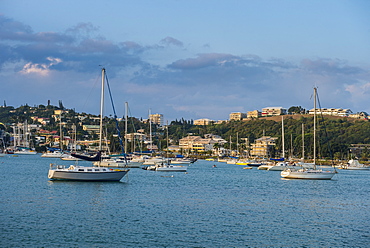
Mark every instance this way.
x=207 y=207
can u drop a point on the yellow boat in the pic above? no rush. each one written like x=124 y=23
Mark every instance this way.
x=242 y=163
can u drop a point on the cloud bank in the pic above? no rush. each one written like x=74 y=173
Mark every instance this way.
x=40 y=66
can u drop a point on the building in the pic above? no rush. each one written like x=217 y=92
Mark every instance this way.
x=197 y=144
x=43 y=121
x=272 y=111
x=221 y=121
x=187 y=142
x=358 y=149
x=59 y=112
x=254 y=114
x=237 y=116
x=216 y=138
x=91 y=128
x=136 y=136
x=263 y=147
x=203 y=122
x=331 y=111
x=360 y=115
x=157 y=119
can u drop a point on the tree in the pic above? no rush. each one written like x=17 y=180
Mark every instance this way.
x=296 y=110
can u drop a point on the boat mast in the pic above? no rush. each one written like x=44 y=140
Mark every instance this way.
x=283 y=136
x=101 y=108
x=60 y=131
x=150 y=132
x=167 y=143
x=126 y=114
x=237 y=144
x=303 y=142
x=314 y=129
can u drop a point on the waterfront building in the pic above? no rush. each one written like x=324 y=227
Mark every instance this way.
x=263 y=147
x=197 y=143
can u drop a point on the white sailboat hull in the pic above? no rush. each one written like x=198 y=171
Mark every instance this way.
x=356 y=168
x=281 y=167
x=25 y=152
x=307 y=174
x=52 y=155
x=117 y=164
x=171 y=168
x=86 y=174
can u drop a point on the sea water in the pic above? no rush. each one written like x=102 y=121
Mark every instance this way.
x=226 y=206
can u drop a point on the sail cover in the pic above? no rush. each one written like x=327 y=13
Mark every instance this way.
x=96 y=157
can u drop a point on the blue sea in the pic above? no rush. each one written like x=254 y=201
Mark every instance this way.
x=226 y=206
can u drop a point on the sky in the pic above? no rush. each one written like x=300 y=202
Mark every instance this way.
x=186 y=59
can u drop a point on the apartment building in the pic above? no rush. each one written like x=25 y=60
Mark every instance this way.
x=263 y=147
x=237 y=116
x=202 y=122
x=271 y=111
x=331 y=111
x=157 y=119
x=91 y=128
x=196 y=143
x=254 y=114
x=360 y=115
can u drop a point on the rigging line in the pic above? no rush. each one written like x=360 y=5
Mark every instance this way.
x=134 y=128
x=97 y=80
x=326 y=133
x=115 y=117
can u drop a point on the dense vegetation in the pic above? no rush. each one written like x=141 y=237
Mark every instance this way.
x=335 y=135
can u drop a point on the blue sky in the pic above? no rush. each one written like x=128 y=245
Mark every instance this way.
x=186 y=59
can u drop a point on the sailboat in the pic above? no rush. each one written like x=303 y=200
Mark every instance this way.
x=118 y=161
x=314 y=173
x=22 y=139
x=166 y=166
x=92 y=173
x=281 y=165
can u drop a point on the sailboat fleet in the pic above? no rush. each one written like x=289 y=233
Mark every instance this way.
x=110 y=168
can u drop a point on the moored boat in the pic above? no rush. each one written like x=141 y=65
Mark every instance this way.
x=313 y=174
x=82 y=173
x=354 y=164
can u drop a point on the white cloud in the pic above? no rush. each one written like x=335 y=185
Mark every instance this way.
x=40 y=69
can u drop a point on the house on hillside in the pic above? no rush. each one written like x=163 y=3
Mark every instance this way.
x=263 y=147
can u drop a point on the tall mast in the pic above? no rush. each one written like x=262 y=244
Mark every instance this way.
x=303 y=142
x=283 y=135
x=314 y=129
x=150 y=132
x=167 y=141
x=101 y=108
x=126 y=116
x=237 y=144
x=60 y=131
